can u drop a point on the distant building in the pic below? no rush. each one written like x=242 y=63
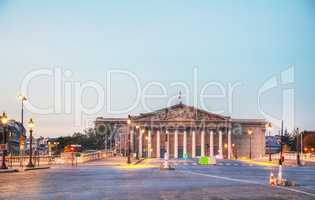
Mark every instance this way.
x=40 y=145
x=308 y=141
x=15 y=131
x=273 y=144
x=186 y=131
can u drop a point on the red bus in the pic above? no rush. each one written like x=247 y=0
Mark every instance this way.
x=72 y=148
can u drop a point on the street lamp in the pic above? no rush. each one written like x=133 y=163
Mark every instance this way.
x=31 y=126
x=234 y=151
x=298 y=160
x=250 y=132
x=137 y=146
x=147 y=141
x=142 y=131
x=4 y=120
x=22 y=99
x=129 y=137
x=269 y=127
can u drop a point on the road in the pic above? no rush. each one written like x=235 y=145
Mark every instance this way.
x=112 y=179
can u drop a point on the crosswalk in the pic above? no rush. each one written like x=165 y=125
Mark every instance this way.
x=218 y=164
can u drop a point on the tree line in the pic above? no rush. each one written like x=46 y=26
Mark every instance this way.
x=90 y=139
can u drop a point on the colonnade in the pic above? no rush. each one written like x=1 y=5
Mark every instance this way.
x=162 y=138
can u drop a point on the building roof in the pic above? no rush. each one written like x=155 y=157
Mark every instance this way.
x=181 y=112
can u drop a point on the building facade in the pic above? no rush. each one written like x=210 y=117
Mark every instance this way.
x=184 y=131
x=15 y=130
x=308 y=141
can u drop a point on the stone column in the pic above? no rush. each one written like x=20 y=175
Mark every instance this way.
x=193 y=145
x=176 y=144
x=229 y=144
x=149 y=143
x=202 y=143
x=140 y=143
x=220 y=144
x=211 y=144
x=158 y=149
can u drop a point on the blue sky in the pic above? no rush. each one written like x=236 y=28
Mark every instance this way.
x=229 y=41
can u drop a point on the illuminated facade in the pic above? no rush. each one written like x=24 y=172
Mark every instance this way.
x=183 y=130
x=14 y=131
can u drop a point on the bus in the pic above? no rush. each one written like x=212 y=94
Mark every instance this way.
x=73 y=148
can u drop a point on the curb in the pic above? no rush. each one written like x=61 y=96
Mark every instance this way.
x=167 y=169
x=138 y=161
x=36 y=168
x=9 y=171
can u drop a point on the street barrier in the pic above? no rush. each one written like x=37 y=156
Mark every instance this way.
x=22 y=161
x=71 y=158
x=64 y=158
x=293 y=156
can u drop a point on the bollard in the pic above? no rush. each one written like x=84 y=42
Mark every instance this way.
x=280 y=172
x=272 y=180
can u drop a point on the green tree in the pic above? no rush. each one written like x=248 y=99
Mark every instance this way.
x=90 y=139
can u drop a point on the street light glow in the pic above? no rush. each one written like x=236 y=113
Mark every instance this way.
x=269 y=126
x=4 y=118
x=129 y=120
x=22 y=98
x=31 y=124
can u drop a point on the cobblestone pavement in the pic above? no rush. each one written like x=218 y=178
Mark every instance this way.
x=112 y=179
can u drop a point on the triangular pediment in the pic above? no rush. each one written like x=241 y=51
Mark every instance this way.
x=180 y=112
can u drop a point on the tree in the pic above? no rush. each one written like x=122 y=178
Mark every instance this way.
x=289 y=141
x=309 y=140
x=90 y=139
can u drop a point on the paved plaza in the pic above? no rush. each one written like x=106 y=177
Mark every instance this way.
x=113 y=179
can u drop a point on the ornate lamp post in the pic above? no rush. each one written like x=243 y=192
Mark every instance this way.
x=137 y=146
x=141 y=149
x=129 y=137
x=4 y=120
x=281 y=147
x=298 y=159
x=269 y=127
x=235 y=151
x=31 y=126
x=22 y=99
x=147 y=141
x=250 y=132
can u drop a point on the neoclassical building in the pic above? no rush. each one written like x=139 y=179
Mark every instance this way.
x=183 y=130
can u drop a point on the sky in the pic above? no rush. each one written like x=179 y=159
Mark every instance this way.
x=148 y=48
